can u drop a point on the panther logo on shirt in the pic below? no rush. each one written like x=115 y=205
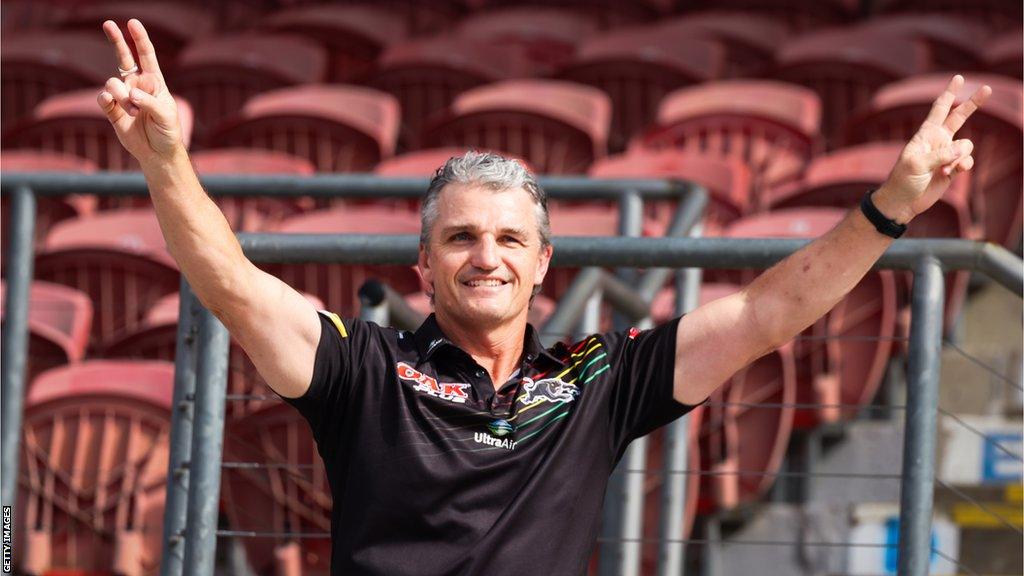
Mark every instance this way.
x=451 y=391
x=548 y=390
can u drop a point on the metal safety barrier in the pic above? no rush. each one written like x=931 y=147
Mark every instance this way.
x=193 y=485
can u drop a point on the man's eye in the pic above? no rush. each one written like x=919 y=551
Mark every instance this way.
x=459 y=236
x=511 y=240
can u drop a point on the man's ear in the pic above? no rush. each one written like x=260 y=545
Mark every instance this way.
x=543 y=262
x=423 y=267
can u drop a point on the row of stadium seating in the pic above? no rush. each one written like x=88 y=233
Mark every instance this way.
x=635 y=67
x=753 y=144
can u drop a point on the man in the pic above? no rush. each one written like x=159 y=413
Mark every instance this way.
x=465 y=447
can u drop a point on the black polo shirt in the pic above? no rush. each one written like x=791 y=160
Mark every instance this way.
x=434 y=473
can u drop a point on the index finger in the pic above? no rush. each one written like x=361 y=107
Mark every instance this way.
x=125 y=60
x=147 y=54
x=940 y=109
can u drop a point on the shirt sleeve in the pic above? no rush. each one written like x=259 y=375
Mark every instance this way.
x=343 y=343
x=641 y=387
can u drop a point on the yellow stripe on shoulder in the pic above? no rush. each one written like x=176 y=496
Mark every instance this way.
x=336 y=320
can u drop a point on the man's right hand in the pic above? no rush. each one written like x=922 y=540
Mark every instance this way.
x=139 y=106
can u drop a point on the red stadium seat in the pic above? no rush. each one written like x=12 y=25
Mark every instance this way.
x=558 y=127
x=840 y=179
x=1005 y=54
x=952 y=43
x=609 y=13
x=338 y=285
x=547 y=35
x=116 y=257
x=845 y=67
x=772 y=126
x=73 y=123
x=250 y=214
x=897 y=111
x=639 y=66
x=993 y=14
x=418 y=163
x=749 y=38
x=95 y=443
x=59 y=319
x=219 y=74
x=156 y=338
x=37 y=65
x=841 y=358
x=427 y=74
x=290 y=495
x=799 y=14
x=49 y=209
x=353 y=34
x=727 y=181
x=170 y=25
x=338 y=128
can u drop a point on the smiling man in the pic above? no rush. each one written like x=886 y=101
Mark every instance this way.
x=466 y=447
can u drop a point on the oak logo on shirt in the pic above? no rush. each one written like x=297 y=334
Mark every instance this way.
x=451 y=391
x=548 y=390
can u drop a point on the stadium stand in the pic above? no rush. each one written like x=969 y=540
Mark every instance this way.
x=37 y=65
x=51 y=209
x=336 y=127
x=749 y=39
x=352 y=34
x=548 y=37
x=727 y=181
x=218 y=75
x=59 y=320
x=771 y=126
x=1004 y=55
x=170 y=25
x=994 y=14
x=995 y=194
x=798 y=14
x=849 y=369
x=951 y=43
x=118 y=258
x=845 y=66
x=609 y=13
x=256 y=213
x=337 y=285
x=638 y=67
x=427 y=74
x=95 y=441
x=72 y=123
x=558 y=127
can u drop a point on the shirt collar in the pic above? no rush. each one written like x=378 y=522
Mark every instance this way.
x=429 y=339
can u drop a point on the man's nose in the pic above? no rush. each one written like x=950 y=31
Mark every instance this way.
x=485 y=254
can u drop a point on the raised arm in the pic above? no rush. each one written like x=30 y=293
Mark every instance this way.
x=717 y=339
x=277 y=326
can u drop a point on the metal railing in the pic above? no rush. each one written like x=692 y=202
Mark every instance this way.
x=201 y=361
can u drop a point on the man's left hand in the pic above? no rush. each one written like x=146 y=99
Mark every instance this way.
x=931 y=159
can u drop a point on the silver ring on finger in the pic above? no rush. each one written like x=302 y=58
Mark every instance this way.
x=134 y=69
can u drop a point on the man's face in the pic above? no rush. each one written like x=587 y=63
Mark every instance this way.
x=484 y=255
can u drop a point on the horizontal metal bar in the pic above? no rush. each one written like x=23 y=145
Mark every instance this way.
x=719 y=253
x=333 y=185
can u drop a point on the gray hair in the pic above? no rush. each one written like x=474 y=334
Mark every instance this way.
x=491 y=171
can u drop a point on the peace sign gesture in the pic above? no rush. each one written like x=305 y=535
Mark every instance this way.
x=931 y=159
x=138 y=104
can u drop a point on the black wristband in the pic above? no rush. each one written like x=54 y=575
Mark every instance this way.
x=882 y=224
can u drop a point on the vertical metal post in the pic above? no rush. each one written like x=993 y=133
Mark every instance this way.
x=207 y=446
x=672 y=552
x=923 y=368
x=15 y=336
x=176 y=507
